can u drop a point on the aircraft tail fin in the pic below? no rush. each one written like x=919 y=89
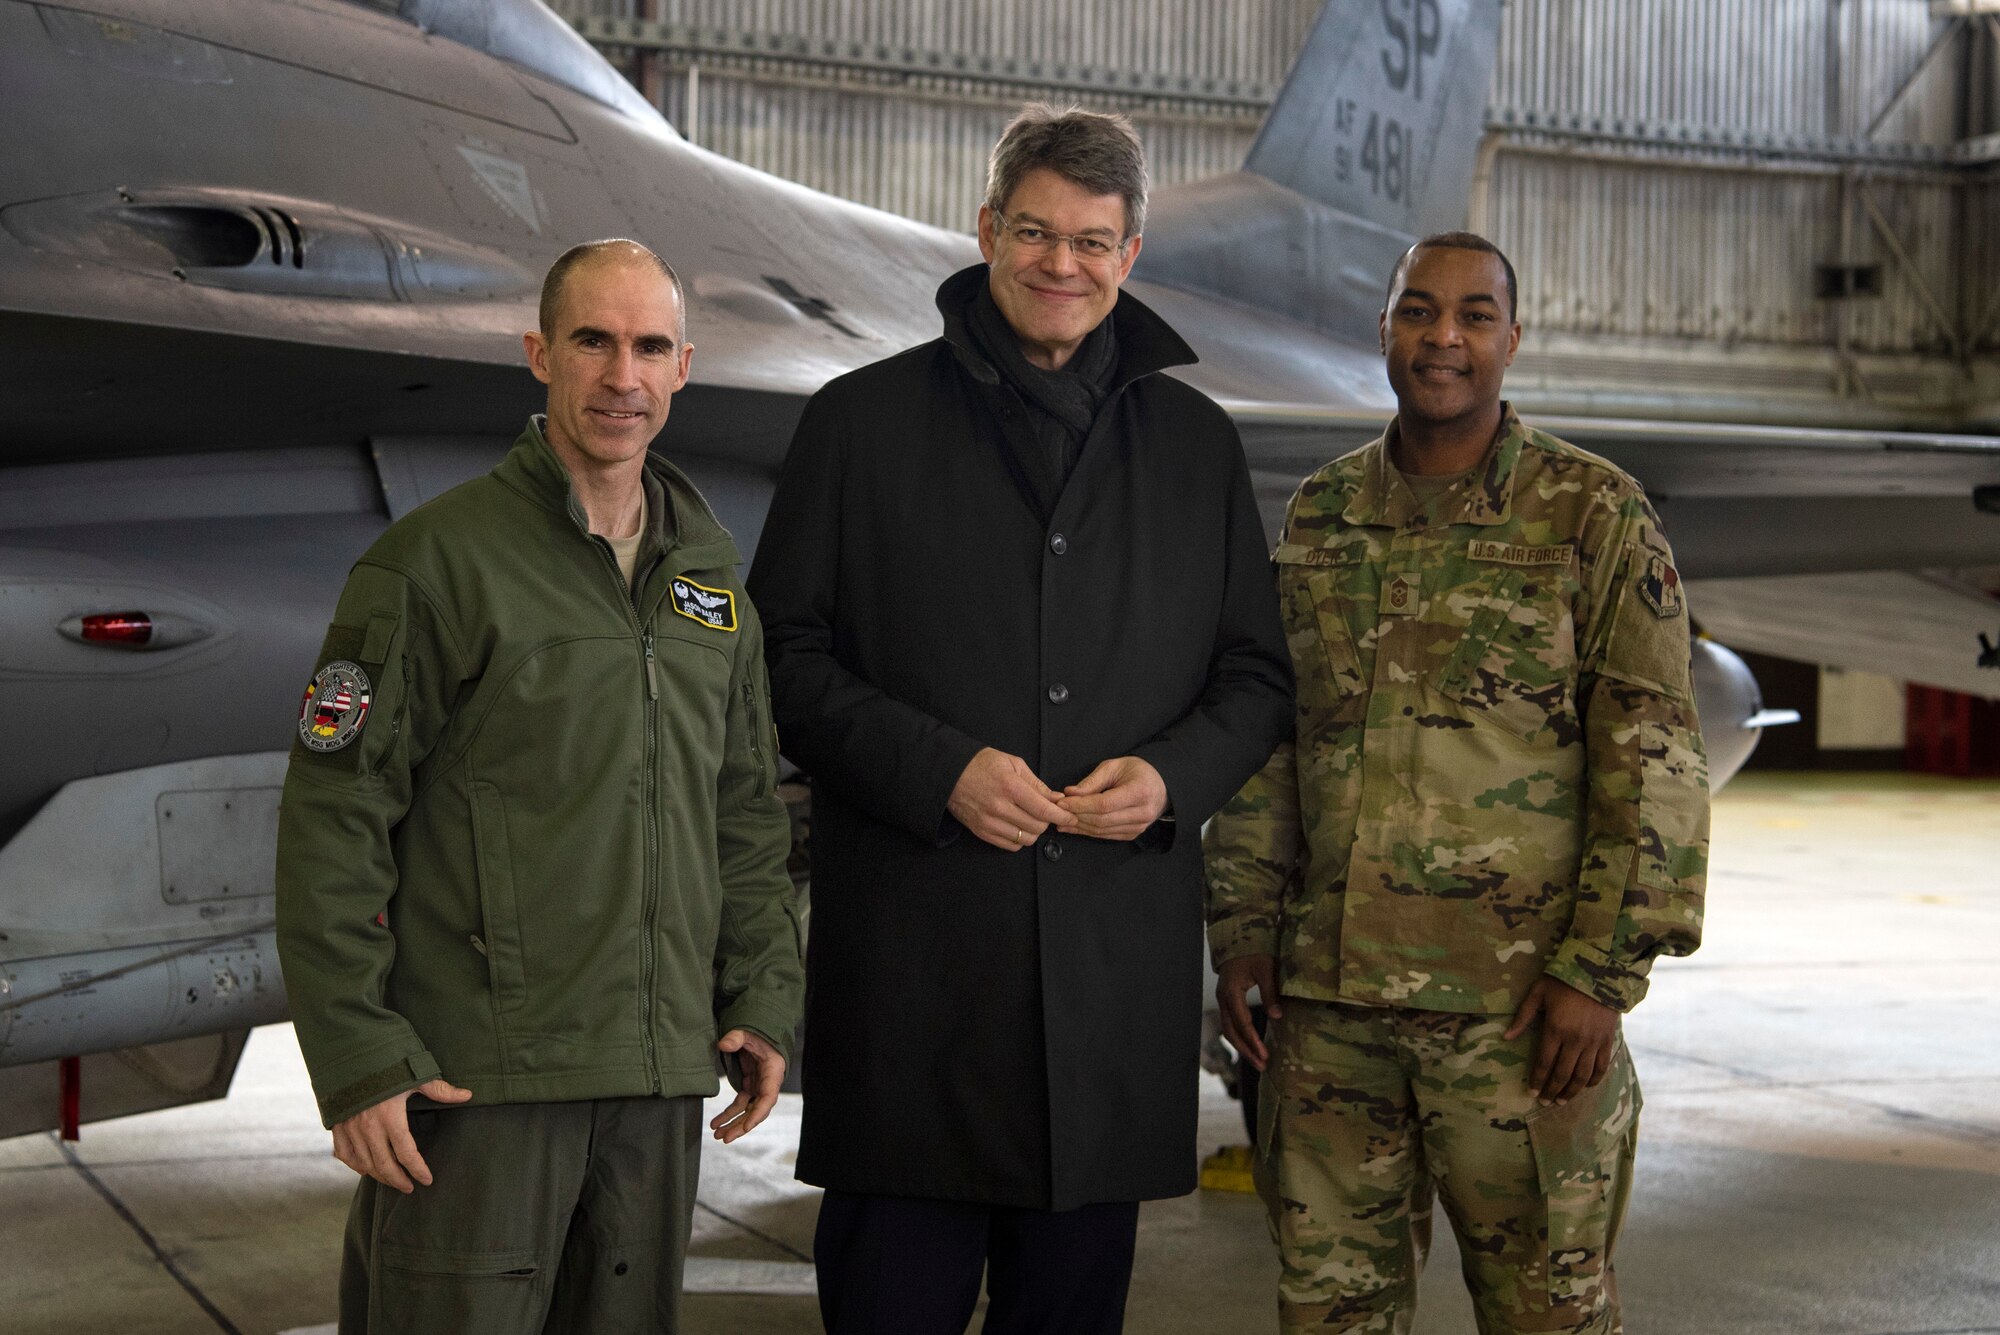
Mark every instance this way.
x=1371 y=144
x=1382 y=113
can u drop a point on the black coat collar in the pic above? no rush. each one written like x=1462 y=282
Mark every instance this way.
x=1146 y=343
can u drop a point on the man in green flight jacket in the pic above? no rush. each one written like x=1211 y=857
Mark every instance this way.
x=531 y=861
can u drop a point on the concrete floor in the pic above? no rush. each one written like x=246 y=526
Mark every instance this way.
x=1821 y=1152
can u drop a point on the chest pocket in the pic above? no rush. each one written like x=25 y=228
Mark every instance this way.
x=1317 y=586
x=1515 y=665
x=694 y=664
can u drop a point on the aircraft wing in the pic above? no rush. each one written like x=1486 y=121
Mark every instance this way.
x=1742 y=500
x=1871 y=550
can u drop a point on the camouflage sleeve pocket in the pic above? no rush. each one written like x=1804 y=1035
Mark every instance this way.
x=1673 y=806
x=1649 y=643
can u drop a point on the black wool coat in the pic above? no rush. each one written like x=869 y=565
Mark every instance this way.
x=1010 y=1028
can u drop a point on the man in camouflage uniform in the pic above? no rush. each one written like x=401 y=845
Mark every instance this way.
x=1492 y=817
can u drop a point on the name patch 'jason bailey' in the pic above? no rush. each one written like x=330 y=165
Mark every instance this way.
x=714 y=608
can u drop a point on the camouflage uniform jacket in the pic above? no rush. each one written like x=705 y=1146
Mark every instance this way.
x=1496 y=770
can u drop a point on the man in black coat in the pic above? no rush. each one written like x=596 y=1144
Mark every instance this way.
x=1022 y=634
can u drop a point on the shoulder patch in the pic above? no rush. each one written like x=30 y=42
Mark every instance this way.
x=335 y=707
x=1660 y=586
x=714 y=608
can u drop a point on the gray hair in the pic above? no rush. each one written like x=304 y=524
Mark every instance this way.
x=1097 y=150
x=569 y=260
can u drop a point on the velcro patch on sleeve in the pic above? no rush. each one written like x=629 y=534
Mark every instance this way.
x=1660 y=586
x=714 y=608
x=335 y=707
x=1519 y=554
x=381 y=632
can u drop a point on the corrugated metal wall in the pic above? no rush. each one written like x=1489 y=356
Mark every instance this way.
x=1645 y=250
x=927 y=154
x=918 y=146
x=1672 y=243
x=1764 y=65
x=1245 y=40
x=1612 y=238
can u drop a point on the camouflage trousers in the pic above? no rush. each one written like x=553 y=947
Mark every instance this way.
x=1367 y=1111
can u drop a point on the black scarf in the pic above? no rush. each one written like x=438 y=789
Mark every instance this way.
x=1062 y=405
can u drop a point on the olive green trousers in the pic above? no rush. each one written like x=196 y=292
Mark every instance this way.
x=1368 y=1112
x=541 y=1219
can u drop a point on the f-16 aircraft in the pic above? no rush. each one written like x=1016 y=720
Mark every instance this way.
x=264 y=267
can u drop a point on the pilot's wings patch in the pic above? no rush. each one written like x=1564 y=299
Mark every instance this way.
x=714 y=608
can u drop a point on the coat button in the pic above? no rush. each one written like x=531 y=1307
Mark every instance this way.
x=620 y=1268
x=1059 y=544
x=1052 y=849
x=1058 y=693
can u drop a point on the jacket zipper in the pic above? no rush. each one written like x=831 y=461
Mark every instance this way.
x=649 y=901
x=651 y=905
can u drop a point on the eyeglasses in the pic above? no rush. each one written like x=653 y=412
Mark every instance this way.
x=1040 y=241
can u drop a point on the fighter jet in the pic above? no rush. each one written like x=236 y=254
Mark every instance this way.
x=264 y=267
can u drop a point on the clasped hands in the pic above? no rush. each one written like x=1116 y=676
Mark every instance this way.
x=1001 y=801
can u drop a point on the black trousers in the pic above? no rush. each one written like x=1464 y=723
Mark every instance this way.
x=894 y=1265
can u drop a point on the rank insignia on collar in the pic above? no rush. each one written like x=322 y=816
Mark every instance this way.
x=1660 y=586
x=714 y=608
x=336 y=705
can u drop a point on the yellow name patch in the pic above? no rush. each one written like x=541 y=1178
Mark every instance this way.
x=714 y=608
x=1516 y=554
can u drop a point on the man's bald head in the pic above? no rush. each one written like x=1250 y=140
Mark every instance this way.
x=614 y=250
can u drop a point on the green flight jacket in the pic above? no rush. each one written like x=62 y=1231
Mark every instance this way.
x=1496 y=770
x=551 y=864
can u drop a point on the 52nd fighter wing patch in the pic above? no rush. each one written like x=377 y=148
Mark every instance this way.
x=714 y=608
x=1660 y=586
x=336 y=705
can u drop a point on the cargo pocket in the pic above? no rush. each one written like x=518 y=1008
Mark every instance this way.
x=436 y=1289
x=498 y=917
x=1264 y=1153
x=1583 y=1160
